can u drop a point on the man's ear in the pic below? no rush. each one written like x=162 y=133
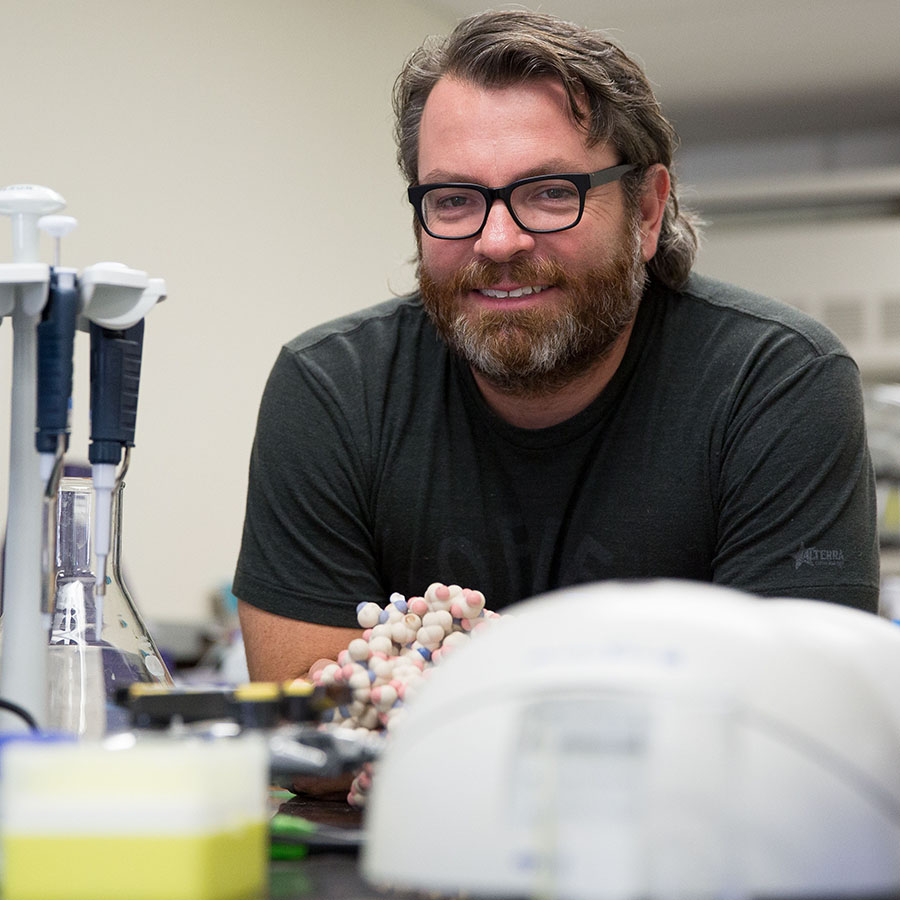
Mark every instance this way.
x=654 y=196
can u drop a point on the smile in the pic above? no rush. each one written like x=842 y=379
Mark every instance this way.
x=518 y=292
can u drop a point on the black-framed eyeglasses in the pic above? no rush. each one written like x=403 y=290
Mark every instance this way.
x=541 y=204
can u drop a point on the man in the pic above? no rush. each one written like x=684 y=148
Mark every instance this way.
x=562 y=401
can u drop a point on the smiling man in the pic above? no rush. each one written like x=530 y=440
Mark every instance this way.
x=563 y=400
x=538 y=292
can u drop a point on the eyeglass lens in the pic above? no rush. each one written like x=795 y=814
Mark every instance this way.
x=548 y=205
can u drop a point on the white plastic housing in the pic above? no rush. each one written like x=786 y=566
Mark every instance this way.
x=28 y=281
x=118 y=297
x=655 y=740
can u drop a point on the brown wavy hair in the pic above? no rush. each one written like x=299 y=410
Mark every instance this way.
x=608 y=94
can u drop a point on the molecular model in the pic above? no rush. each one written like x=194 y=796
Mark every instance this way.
x=400 y=645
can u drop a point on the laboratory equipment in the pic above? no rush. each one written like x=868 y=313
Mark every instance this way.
x=55 y=349
x=147 y=818
x=116 y=300
x=115 y=377
x=109 y=298
x=97 y=649
x=292 y=716
x=652 y=740
x=23 y=291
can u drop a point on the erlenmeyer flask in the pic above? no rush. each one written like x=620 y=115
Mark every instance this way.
x=98 y=645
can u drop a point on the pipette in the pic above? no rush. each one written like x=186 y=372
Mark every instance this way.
x=55 y=352
x=23 y=663
x=116 y=299
x=115 y=378
x=56 y=344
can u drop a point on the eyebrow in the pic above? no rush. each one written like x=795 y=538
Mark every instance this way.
x=549 y=167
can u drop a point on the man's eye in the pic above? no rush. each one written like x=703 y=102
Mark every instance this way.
x=453 y=204
x=454 y=201
x=557 y=192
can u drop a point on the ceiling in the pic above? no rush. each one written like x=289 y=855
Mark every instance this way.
x=727 y=69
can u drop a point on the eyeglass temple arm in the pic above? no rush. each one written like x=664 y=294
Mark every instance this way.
x=605 y=176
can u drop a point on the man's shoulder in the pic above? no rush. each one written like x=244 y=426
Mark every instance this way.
x=358 y=356
x=744 y=315
x=375 y=326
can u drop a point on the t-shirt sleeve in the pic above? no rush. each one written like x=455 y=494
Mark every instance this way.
x=307 y=545
x=797 y=491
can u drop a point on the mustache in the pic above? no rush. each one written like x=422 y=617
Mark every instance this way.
x=478 y=274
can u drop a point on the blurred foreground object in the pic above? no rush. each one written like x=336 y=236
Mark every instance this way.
x=659 y=739
x=152 y=819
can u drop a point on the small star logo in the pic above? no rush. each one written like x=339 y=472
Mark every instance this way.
x=804 y=556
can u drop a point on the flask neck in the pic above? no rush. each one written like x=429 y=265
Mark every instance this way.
x=74 y=527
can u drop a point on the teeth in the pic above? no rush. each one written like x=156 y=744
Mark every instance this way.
x=518 y=292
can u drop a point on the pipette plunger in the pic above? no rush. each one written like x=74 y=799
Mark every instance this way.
x=25 y=204
x=57 y=227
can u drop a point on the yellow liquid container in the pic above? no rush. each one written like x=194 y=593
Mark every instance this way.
x=152 y=819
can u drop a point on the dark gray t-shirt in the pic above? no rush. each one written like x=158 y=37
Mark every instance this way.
x=728 y=447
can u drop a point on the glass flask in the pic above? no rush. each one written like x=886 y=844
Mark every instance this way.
x=98 y=644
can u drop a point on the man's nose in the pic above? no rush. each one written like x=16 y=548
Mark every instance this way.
x=501 y=238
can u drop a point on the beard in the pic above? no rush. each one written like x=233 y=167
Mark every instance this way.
x=539 y=349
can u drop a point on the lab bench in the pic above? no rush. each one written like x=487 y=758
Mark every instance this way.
x=331 y=874
x=323 y=874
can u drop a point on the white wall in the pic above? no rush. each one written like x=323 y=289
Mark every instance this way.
x=242 y=151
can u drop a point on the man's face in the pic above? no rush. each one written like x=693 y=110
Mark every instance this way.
x=528 y=311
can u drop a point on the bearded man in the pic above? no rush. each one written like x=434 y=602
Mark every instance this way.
x=563 y=400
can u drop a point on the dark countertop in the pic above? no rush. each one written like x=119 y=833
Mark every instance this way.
x=323 y=874
x=332 y=874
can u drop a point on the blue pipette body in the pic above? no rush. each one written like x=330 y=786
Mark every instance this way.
x=115 y=379
x=55 y=349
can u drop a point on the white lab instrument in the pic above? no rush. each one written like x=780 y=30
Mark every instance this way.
x=650 y=740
